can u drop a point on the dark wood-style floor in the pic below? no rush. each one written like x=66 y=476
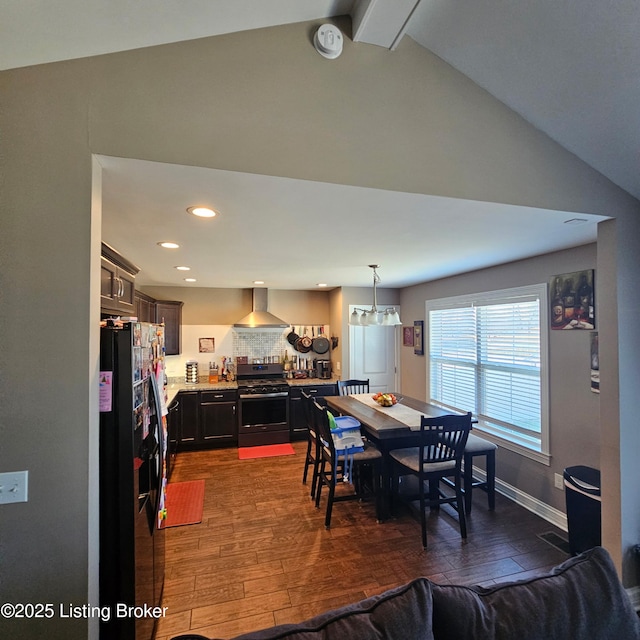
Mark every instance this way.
x=261 y=555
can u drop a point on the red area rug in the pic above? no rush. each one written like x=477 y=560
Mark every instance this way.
x=185 y=502
x=265 y=451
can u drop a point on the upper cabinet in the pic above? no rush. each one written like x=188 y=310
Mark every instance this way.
x=170 y=313
x=145 y=307
x=117 y=283
x=118 y=296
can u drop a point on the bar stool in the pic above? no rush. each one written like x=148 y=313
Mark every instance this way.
x=477 y=446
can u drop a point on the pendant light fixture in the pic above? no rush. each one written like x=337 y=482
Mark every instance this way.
x=388 y=317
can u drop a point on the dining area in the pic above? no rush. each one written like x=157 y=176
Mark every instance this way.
x=394 y=449
x=262 y=555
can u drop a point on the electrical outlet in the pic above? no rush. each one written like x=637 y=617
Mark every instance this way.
x=13 y=486
x=337 y=366
x=558 y=480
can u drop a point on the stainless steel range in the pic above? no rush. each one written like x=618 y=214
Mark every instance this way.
x=263 y=405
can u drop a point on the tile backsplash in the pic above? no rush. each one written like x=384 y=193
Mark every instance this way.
x=260 y=344
x=229 y=343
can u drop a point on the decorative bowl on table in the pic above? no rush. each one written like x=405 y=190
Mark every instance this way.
x=385 y=399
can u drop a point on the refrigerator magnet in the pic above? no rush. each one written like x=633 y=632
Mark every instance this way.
x=106 y=387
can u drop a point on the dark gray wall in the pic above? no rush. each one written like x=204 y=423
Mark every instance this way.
x=259 y=101
x=574 y=410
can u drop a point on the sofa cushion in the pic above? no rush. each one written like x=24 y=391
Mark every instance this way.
x=581 y=599
x=403 y=613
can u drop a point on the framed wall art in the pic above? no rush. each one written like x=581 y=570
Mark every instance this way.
x=571 y=300
x=418 y=338
x=407 y=336
x=207 y=345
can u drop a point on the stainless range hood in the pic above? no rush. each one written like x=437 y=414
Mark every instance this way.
x=260 y=318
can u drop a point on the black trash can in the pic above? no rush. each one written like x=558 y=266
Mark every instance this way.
x=584 y=514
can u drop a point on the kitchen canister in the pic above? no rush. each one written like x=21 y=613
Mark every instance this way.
x=191 y=372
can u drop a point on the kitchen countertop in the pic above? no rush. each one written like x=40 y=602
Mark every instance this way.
x=174 y=388
x=311 y=382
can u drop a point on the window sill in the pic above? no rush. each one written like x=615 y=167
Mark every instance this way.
x=486 y=431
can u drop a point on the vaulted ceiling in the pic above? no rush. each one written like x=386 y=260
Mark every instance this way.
x=571 y=68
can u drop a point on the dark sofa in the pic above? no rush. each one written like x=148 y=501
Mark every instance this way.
x=581 y=599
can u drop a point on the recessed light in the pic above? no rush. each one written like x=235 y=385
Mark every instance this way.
x=183 y=268
x=258 y=282
x=202 y=212
x=321 y=284
x=190 y=280
x=168 y=245
x=575 y=221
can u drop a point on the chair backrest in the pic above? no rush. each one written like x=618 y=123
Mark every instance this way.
x=347 y=387
x=307 y=408
x=443 y=439
x=321 y=423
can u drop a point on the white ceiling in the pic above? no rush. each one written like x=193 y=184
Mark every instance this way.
x=304 y=232
x=570 y=67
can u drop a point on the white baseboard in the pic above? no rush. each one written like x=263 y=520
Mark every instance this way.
x=548 y=513
x=551 y=514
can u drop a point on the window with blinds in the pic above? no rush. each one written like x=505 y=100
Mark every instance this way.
x=487 y=354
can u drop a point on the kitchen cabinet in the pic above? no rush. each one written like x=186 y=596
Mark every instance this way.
x=145 y=307
x=148 y=309
x=297 y=424
x=170 y=312
x=189 y=417
x=218 y=417
x=173 y=435
x=117 y=283
x=207 y=419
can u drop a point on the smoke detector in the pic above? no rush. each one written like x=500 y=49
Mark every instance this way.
x=328 y=41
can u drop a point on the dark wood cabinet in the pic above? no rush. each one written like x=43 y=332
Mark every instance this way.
x=170 y=312
x=108 y=283
x=218 y=417
x=207 y=419
x=297 y=425
x=173 y=434
x=189 y=417
x=148 y=309
x=117 y=283
x=145 y=307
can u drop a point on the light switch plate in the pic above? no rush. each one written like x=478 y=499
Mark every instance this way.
x=558 y=480
x=14 y=486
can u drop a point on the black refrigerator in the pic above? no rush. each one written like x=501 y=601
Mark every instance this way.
x=132 y=476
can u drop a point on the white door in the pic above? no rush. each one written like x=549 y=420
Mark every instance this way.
x=374 y=355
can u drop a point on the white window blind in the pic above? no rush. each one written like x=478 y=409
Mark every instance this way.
x=487 y=354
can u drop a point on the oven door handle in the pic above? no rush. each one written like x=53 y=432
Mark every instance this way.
x=260 y=396
x=263 y=425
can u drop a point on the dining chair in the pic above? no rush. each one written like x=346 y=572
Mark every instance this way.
x=478 y=447
x=312 y=457
x=347 y=387
x=439 y=455
x=331 y=469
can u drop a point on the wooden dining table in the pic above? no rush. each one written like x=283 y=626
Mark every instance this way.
x=385 y=431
